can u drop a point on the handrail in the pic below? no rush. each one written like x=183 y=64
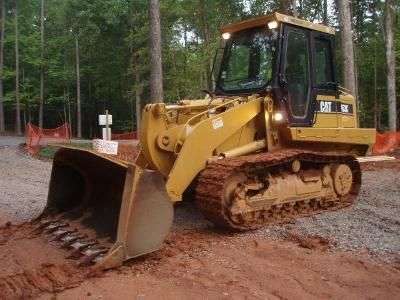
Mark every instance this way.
x=208 y=111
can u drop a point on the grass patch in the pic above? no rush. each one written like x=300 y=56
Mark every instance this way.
x=49 y=151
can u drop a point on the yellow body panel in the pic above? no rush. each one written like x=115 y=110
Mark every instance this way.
x=178 y=140
x=348 y=120
x=202 y=142
x=337 y=119
x=361 y=136
x=232 y=125
x=326 y=120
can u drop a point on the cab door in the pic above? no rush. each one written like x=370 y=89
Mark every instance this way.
x=295 y=75
x=325 y=89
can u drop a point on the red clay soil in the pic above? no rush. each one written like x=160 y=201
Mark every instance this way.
x=199 y=265
x=29 y=266
x=210 y=266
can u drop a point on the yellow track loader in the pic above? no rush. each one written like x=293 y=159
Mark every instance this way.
x=276 y=139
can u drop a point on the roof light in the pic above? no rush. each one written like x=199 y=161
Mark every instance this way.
x=226 y=35
x=273 y=25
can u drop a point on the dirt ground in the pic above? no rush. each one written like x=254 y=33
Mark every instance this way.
x=351 y=254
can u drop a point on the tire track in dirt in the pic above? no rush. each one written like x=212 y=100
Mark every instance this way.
x=48 y=278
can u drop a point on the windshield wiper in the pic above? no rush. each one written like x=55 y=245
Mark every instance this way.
x=245 y=84
x=236 y=80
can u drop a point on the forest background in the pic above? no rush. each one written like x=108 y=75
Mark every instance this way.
x=68 y=59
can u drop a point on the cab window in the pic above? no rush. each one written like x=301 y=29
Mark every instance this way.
x=323 y=59
x=297 y=72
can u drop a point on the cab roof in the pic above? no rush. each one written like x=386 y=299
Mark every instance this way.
x=281 y=18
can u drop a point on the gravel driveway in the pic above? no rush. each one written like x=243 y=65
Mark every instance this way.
x=372 y=224
x=6 y=141
x=23 y=182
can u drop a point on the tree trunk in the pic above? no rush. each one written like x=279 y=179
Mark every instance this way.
x=325 y=13
x=391 y=64
x=65 y=106
x=287 y=6
x=156 y=76
x=376 y=104
x=2 y=27
x=138 y=88
x=78 y=92
x=41 y=64
x=206 y=38
x=295 y=12
x=17 y=104
x=347 y=46
x=138 y=101
x=69 y=114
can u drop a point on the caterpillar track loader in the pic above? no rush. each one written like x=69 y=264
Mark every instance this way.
x=275 y=140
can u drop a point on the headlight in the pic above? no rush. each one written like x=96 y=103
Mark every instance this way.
x=273 y=25
x=278 y=117
x=226 y=35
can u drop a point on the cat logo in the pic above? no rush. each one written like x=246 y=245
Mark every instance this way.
x=325 y=106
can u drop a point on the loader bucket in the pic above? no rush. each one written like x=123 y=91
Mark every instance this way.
x=103 y=209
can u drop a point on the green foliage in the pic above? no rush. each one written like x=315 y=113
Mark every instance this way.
x=113 y=42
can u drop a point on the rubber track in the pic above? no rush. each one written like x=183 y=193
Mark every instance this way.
x=211 y=182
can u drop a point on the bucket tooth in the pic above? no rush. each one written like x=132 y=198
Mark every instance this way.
x=69 y=239
x=54 y=226
x=59 y=233
x=90 y=254
x=42 y=224
x=98 y=258
x=78 y=247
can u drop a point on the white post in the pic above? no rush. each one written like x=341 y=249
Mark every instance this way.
x=107 y=126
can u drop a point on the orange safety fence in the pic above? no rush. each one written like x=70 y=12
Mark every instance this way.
x=124 y=136
x=37 y=137
x=386 y=142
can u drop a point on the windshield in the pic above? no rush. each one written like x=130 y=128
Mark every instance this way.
x=247 y=61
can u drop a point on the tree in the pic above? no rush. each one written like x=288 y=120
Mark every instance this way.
x=114 y=54
x=17 y=100
x=78 y=91
x=205 y=34
x=347 y=46
x=138 y=95
x=2 y=29
x=391 y=64
x=41 y=64
x=288 y=6
x=156 y=75
x=325 y=12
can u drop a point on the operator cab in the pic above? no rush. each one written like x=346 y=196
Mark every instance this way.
x=292 y=58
